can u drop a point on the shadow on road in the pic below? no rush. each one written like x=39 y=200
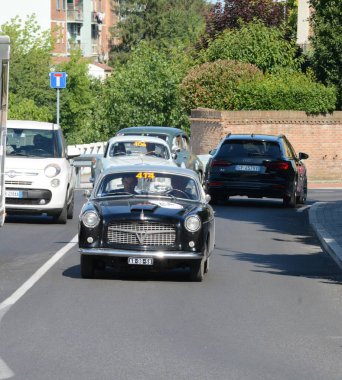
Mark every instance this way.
x=316 y=265
x=178 y=275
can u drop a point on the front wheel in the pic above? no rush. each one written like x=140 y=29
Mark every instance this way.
x=87 y=267
x=61 y=217
x=70 y=210
x=197 y=271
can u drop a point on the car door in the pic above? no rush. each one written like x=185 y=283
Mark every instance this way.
x=300 y=167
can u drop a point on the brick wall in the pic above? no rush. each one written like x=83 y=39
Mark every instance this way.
x=319 y=136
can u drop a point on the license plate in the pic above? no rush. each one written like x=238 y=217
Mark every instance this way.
x=140 y=260
x=13 y=194
x=248 y=168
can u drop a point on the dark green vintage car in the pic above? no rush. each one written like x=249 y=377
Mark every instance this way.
x=179 y=143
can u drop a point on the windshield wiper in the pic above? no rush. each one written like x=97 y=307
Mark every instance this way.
x=119 y=193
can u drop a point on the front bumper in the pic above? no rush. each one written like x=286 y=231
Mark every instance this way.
x=169 y=255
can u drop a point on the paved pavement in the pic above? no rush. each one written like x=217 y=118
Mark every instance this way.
x=326 y=221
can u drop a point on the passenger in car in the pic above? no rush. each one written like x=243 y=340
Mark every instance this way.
x=119 y=150
x=184 y=185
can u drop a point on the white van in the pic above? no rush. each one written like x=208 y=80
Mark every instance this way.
x=39 y=177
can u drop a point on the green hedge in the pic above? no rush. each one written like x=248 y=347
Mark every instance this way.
x=213 y=84
x=285 y=91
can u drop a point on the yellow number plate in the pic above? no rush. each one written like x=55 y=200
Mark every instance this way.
x=140 y=143
x=145 y=175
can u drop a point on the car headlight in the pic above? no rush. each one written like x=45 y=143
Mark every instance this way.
x=90 y=219
x=192 y=223
x=52 y=170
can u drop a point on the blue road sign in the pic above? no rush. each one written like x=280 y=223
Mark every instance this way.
x=58 y=80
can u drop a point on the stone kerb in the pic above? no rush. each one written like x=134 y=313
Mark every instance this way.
x=320 y=136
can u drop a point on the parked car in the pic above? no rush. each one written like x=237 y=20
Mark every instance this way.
x=39 y=177
x=178 y=141
x=130 y=150
x=257 y=166
x=150 y=217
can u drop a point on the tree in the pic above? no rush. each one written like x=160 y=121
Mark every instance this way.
x=145 y=90
x=254 y=43
x=163 y=22
x=29 y=70
x=228 y=14
x=284 y=91
x=81 y=103
x=213 y=84
x=327 y=43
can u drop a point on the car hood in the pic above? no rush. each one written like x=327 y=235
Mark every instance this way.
x=25 y=164
x=153 y=208
x=132 y=160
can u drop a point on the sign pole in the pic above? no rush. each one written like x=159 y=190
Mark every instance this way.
x=57 y=106
x=58 y=81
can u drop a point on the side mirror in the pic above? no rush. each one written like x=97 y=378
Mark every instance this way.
x=303 y=156
x=87 y=193
x=212 y=152
x=207 y=198
x=73 y=151
x=174 y=156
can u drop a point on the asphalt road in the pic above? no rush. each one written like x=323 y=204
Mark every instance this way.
x=270 y=307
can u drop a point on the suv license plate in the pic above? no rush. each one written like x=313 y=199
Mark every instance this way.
x=13 y=194
x=248 y=168
x=140 y=260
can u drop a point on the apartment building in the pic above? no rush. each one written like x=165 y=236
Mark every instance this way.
x=82 y=24
x=74 y=23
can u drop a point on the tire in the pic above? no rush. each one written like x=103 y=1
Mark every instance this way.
x=61 y=217
x=301 y=199
x=206 y=265
x=290 y=201
x=215 y=200
x=197 y=271
x=87 y=267
x=70 y=210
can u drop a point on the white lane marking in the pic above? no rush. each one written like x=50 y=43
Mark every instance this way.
x=5 y=371
x=303 y=208
x=11 y=300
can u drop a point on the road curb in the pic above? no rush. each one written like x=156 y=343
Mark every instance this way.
x=329 y=244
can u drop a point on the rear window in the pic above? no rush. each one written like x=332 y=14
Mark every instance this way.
x=249 y=148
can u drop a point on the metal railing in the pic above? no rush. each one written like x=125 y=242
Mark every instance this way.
x=83 y=163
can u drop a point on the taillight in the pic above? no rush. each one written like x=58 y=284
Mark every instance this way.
x=277 y=165
x=220 y=163
x=215 y=183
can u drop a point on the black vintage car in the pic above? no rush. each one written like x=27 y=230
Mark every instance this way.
x=147 y=217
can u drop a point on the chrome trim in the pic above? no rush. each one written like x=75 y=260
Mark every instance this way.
x=174 y=255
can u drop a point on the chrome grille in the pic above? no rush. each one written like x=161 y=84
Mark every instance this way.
x=142 y=233
x=19 y=183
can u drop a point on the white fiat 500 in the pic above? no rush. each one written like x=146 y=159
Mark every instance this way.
x=39 y=177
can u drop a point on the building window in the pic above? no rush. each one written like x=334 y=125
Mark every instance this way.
x=64 y=5
x=58 y=5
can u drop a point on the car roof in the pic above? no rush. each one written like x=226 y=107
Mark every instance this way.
x=31 y=124
x=154 y=129
x=253 y=136
x=150 y=168
x=152 y=139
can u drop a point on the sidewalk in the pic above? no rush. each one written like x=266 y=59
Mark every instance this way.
x=326 y=221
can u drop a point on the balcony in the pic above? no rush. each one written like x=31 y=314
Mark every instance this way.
x=75 y=14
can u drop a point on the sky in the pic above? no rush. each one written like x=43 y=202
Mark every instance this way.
x=11 y=8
